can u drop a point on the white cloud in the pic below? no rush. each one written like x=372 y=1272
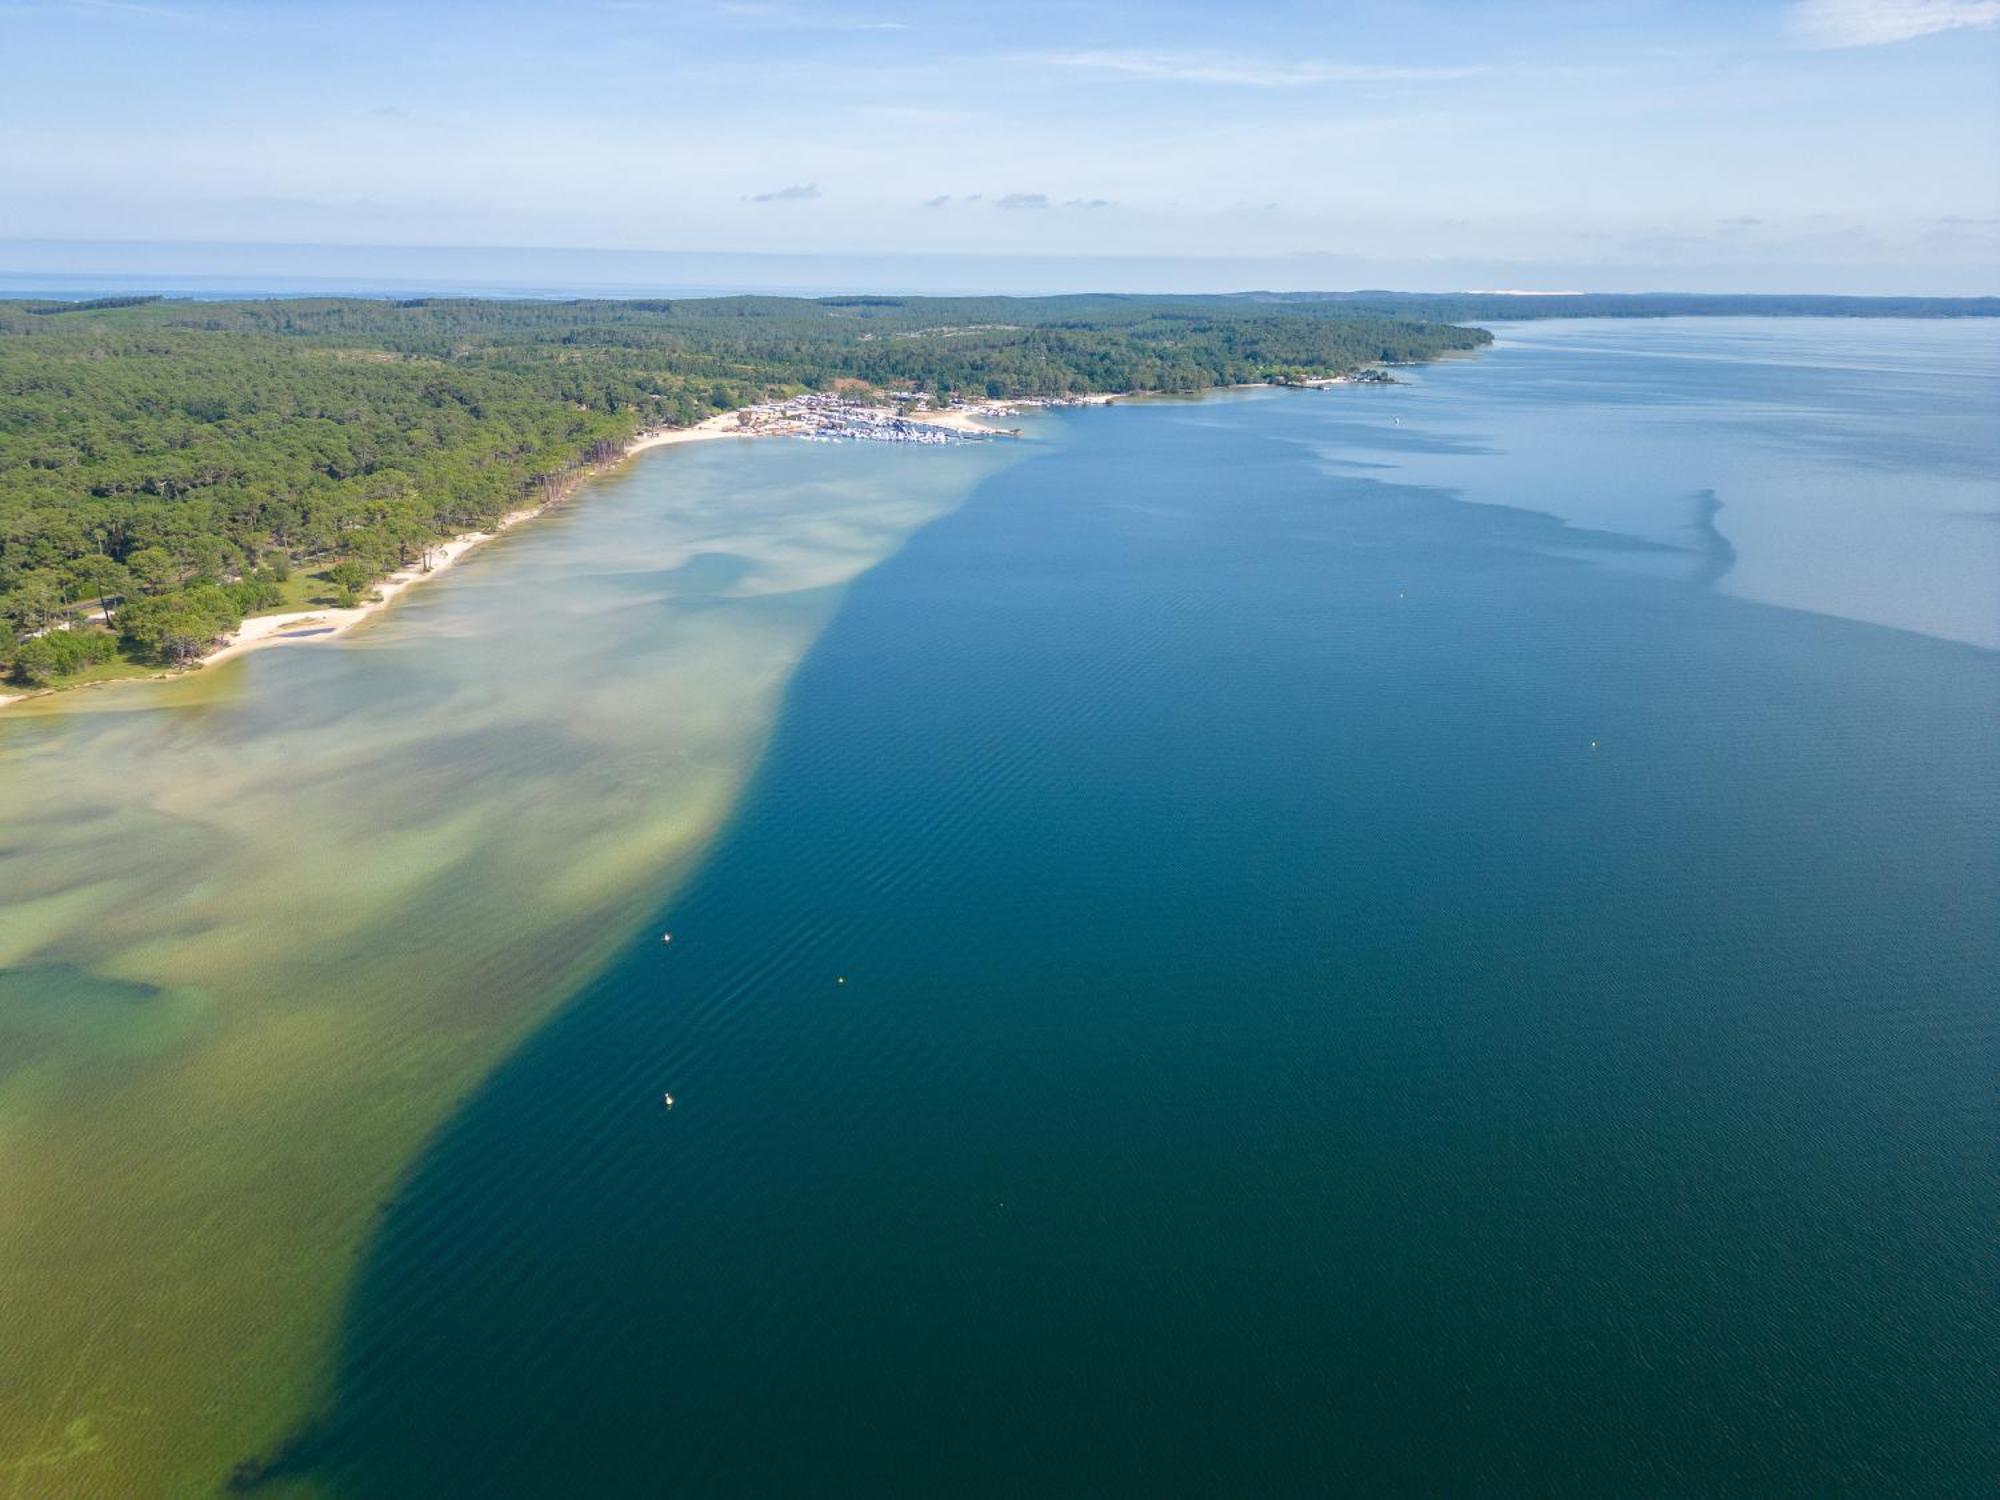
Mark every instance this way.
x=772 y=13
x=1240 y=72
x=818 y=18
x=1869 y=23
x=115 y=8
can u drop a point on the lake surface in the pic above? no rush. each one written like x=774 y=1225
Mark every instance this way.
x=1433 y=941
x=1430 y=940
x=263 y=926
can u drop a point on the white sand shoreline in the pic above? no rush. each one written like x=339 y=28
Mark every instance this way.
x=308 y=625
x=324 y=624
x=303 y=627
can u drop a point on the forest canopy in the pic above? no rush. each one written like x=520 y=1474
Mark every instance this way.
x=165 y=466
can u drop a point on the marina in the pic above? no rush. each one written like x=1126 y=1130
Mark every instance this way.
x=892 y=417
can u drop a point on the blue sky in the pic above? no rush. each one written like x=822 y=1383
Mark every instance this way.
x=1604 y=144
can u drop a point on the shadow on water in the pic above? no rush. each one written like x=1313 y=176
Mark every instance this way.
x=1717 y=555
x=1291 y=987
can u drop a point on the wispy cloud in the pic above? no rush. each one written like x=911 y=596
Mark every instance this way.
x=810 y=17
x=1031 y=202
x=912 y=117
x=1241 y=72
x=798 y=192
x=1962 y=234
x=118 y=8
x=1871 y=23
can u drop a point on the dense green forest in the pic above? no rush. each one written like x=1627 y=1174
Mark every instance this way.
x=168 y=466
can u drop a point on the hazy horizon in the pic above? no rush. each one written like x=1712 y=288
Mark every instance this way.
x=194 y=268
x=1813 y=146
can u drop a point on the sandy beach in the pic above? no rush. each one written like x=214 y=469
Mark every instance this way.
x=964 y=421
x=324 y=624
x=303 y=627
x=308 y=625
x=989 y=418
x=722 y=424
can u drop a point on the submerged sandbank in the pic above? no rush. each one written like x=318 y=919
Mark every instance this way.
x=262 y=926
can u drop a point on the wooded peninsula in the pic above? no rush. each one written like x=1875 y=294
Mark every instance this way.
x=169 y=467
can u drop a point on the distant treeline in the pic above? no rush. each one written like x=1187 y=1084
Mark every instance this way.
x=1492 y=307
x=95 y=304
x=167 y=465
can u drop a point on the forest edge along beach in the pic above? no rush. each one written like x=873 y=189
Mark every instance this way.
x=184 y=481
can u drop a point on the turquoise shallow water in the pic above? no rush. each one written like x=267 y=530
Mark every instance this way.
x=1351 y=982
x=263 y=926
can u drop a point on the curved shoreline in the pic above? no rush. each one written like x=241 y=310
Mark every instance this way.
x=309 y=625
x=358 y=899
x=305 y=626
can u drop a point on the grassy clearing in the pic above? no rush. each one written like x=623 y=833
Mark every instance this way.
x=303 y=590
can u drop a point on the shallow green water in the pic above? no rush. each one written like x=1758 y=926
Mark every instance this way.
x=1262 y=961
x=261 y=927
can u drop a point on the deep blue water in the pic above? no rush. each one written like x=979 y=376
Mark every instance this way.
x=1347 y=989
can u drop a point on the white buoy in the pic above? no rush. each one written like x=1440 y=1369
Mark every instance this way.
x=666 y=937
x=670 y=1100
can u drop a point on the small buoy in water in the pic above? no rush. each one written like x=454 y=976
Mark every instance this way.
x=670 y=1100
x=666 y=937
x=841 y=980
x=1593 y=744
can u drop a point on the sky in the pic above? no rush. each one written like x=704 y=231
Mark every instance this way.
x=1606 y=145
